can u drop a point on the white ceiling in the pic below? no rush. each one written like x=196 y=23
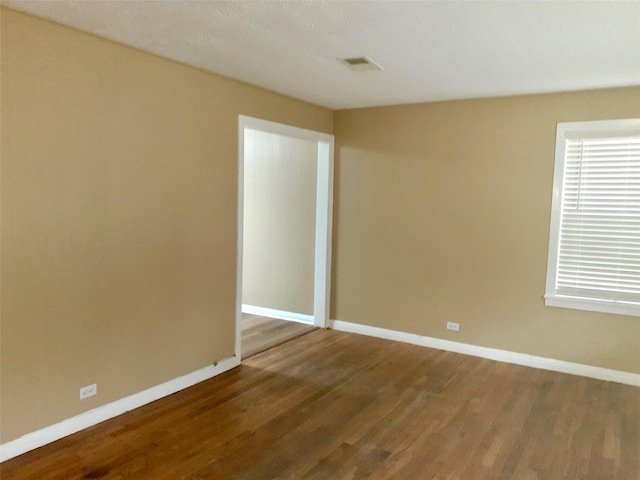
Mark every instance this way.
x=429 y=50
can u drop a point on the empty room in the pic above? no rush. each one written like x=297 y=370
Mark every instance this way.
x=430 y=210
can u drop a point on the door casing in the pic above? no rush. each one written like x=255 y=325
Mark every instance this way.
x=324 y=220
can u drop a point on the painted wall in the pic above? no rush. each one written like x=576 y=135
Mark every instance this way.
x=280 y=176
x=442 y=214
x=119 y=212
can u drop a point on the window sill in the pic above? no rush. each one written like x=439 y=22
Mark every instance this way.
x=591 y=305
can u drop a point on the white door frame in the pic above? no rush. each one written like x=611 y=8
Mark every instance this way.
x=324 y=214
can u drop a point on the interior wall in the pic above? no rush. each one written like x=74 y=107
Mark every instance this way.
x=442 y=214
x=280 y=176
x=119 y=217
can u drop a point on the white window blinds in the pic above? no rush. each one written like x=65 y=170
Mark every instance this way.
x=596 y=247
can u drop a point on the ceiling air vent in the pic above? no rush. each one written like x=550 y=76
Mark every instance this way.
x=361 y=64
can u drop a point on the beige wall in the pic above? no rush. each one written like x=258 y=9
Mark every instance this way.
x=279 y=221
x=442 y=214
x=119 y=188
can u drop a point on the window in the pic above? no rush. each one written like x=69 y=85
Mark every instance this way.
x=594 y=242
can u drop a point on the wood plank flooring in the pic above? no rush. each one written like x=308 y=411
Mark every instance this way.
x=261 y=333
x=333 y=405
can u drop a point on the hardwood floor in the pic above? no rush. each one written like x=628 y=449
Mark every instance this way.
x=261 y=333
x=333 y=405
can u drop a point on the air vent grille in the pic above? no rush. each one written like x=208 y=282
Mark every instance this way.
x=361 y=64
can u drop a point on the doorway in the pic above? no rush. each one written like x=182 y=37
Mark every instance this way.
x=306 y=295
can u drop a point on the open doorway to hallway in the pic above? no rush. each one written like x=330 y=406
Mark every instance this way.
x=284 y=233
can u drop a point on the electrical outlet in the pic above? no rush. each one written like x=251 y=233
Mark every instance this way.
x=453 y=326
x=88 y=391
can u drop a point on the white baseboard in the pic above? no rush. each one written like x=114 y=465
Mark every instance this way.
x=280 y=314
x=49 y=434
x=506 y=356
x=72 y=425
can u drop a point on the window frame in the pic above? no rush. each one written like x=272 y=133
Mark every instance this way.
x=568 y=131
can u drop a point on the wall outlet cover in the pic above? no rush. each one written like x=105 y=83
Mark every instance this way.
x=88 y=391
x=453 y=326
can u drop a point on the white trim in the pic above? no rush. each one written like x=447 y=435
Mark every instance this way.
x=280 y=314
x=506 y=356
x=240 y=229
x=596 y=129
x=592 y=305
x=282 y=129
x=54 y=432
x=324 y=219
